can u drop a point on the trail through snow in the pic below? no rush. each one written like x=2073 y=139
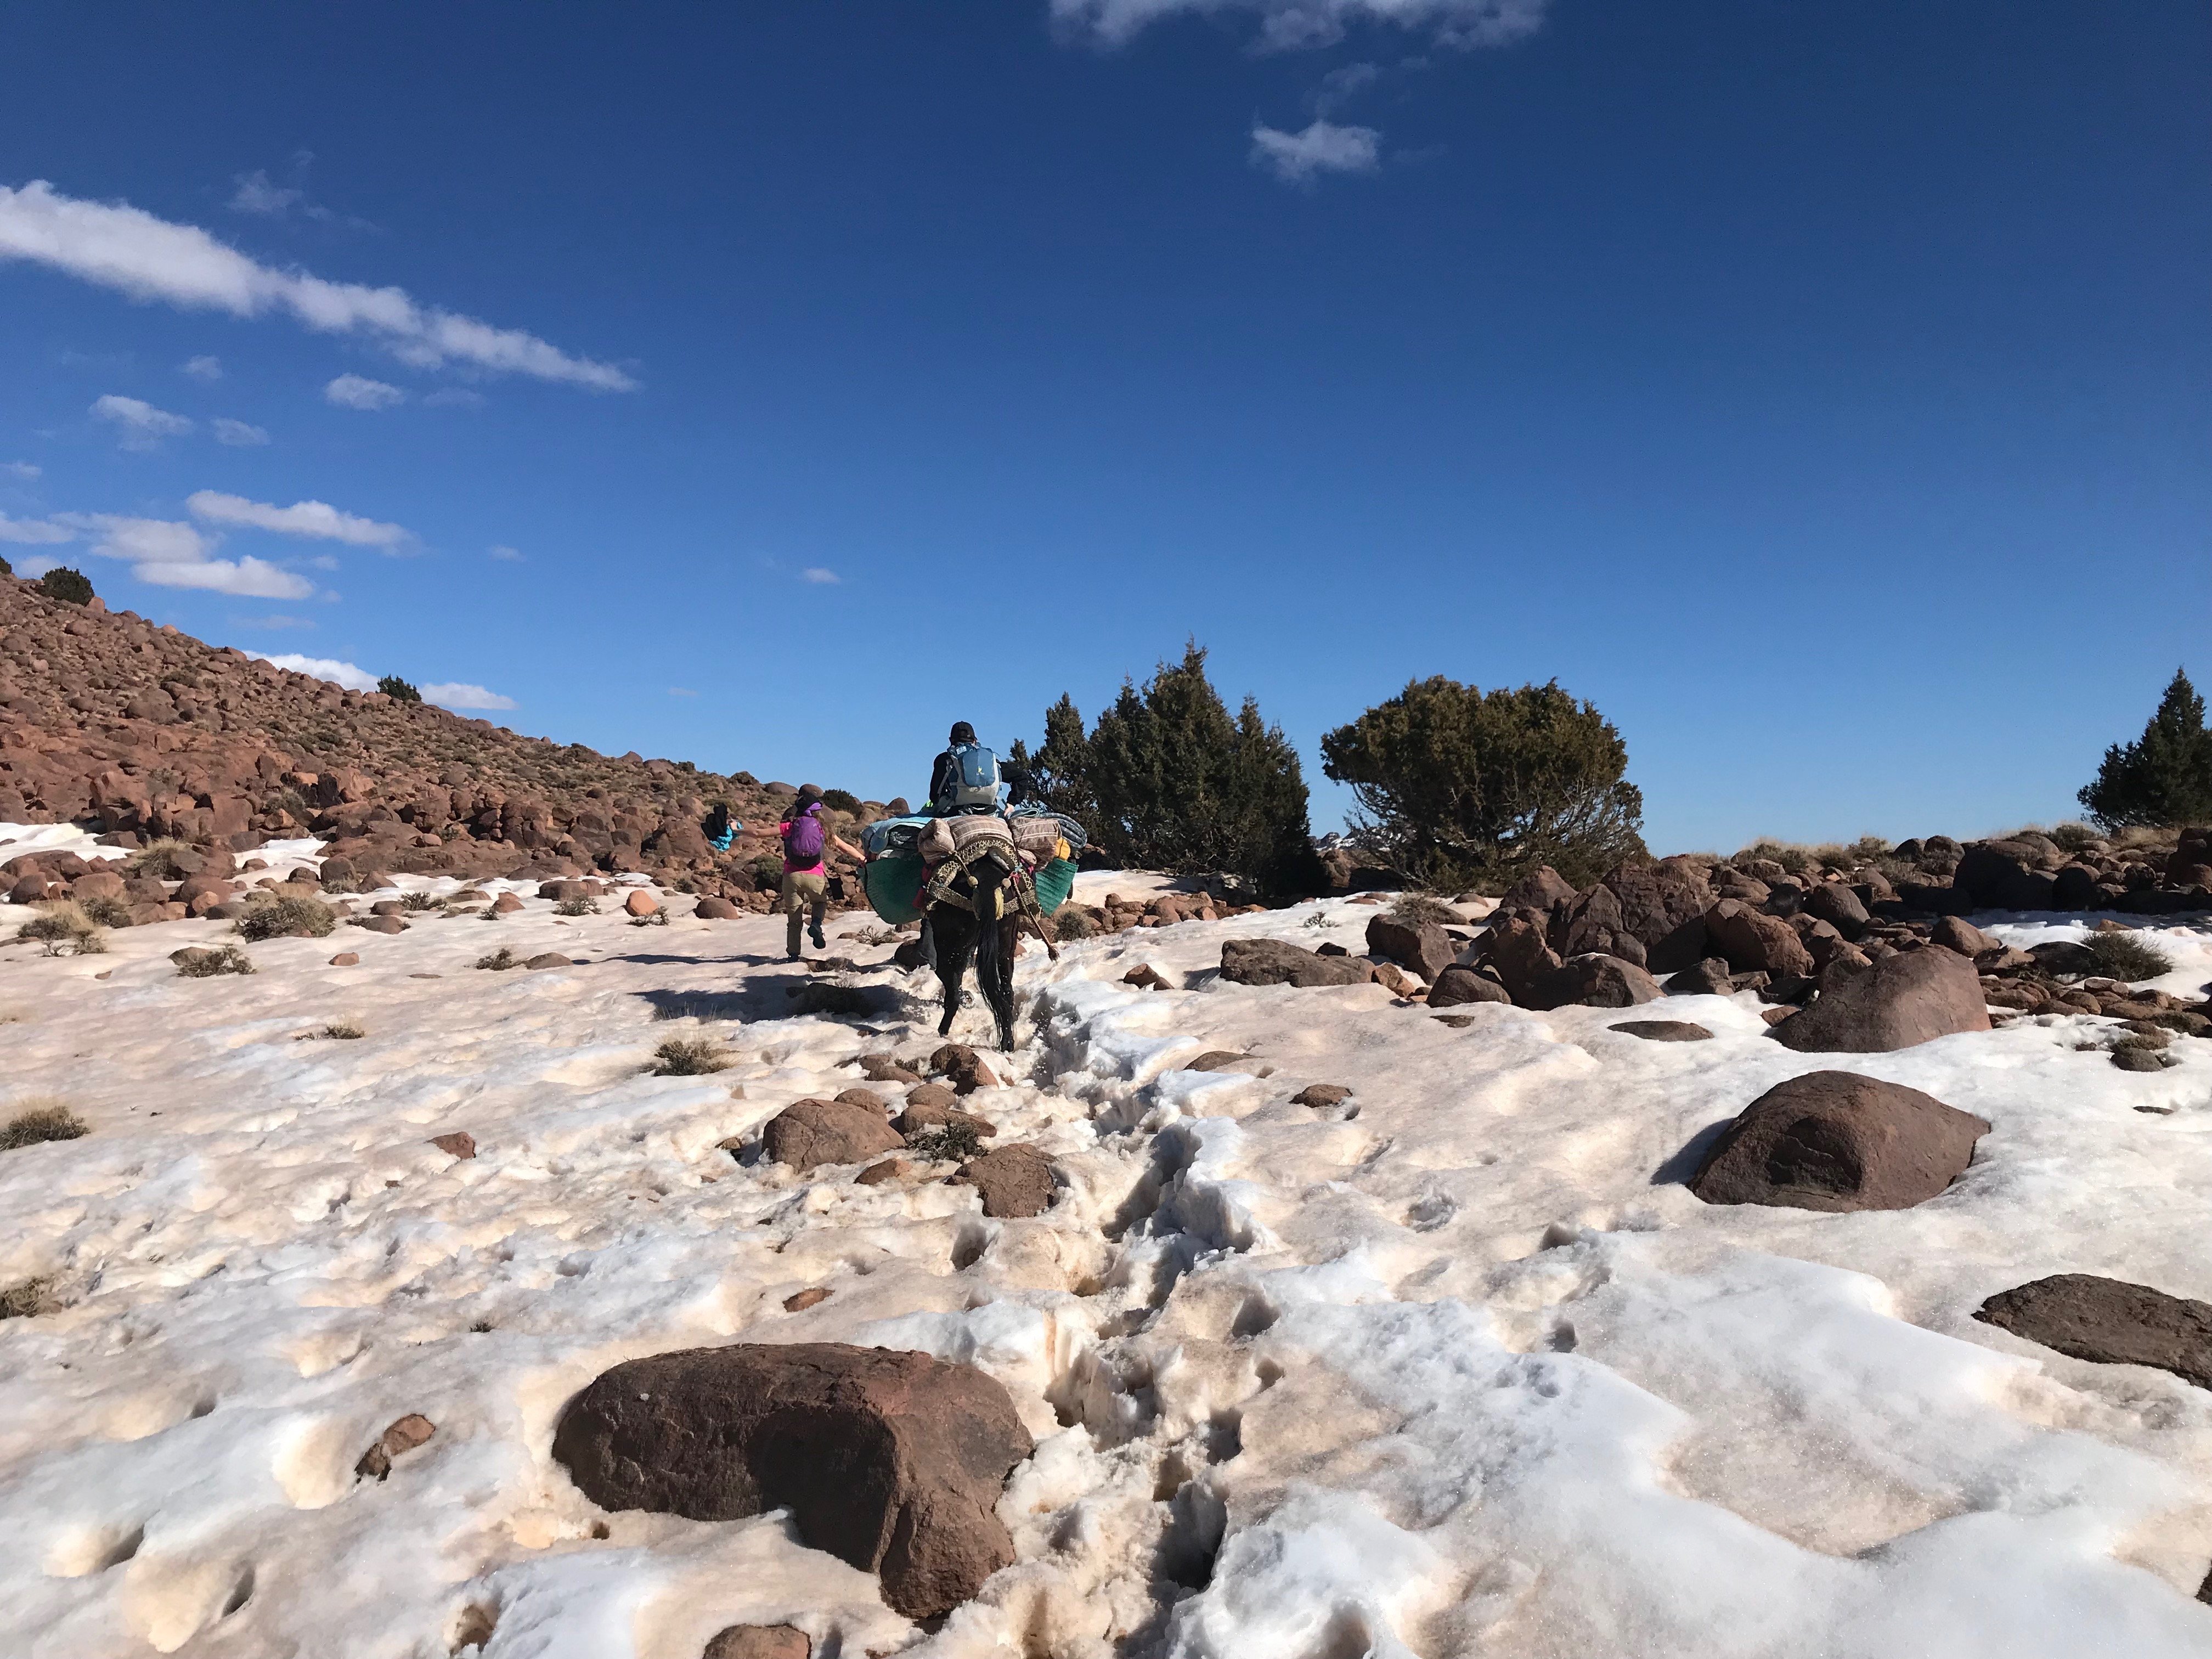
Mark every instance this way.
x=1457 y=1367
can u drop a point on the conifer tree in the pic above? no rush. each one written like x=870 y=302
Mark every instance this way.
x=2164 y=777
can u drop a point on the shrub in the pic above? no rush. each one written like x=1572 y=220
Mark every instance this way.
x=1321 y=919
x=285 y=918
x=1072 y=921
x=1168 y=781
x=414 y=904
x=575 y=907
x=841 y=800
x=689 y=1057
x=2164 y=777
x=768 y=870
x=499 y=961
x=26 y=1298
x=207 y=964
x=2074 y=837
x=1459 y=787
x=69 y=586
x=63 y=927
x=36 y=1125
x=6 y=569
x=344 y=1030
x=2126 y=956
x=957 y=1142
x=105 y=911
x=157 y=860
x=397 y=689
x=651 y=919
x=1419 y=909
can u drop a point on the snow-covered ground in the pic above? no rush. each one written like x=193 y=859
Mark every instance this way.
x=1458 y=1367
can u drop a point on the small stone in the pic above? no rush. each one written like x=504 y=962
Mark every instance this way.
x=1014 y=1180
x=549 y=959
x=717 y=909
x=1321 y=1094
x=640 y=903
x=346 y=959
x=2110 y=1321
x=404 y=1436
x=380 y=924
x=1144 y=977
x=802 y=1300
x=760 y=1642
x=889 y=1169
x=506 y=905
x=460 y=1143
x=1664 y=1031
x=887 y=1068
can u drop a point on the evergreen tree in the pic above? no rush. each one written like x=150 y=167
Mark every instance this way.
x=1459 y=787
x=1168 y=781
x=397 y=689
x=2164 y=777
x=69 y=586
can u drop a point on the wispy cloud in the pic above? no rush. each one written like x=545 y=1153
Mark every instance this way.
x=453 y=397
x=205 y=368
x=237 y=434
x=244 y=578
x=23 y=470
x=34 y=533
x=466 y=697
x=139 y=424
x=681 y=691
x=359 y=392
x=350 y=675
x=817 y=573
x=256 y=193
x=1297 y=25
x=122 y=247
x=169 y=553
x=505 y=555
x=317 y=520
x=1324 y=147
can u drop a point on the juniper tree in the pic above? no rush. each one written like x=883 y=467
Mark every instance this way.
x=2164 y=777
x=1458 y=786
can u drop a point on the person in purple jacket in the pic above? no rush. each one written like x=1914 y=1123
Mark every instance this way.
x=807 y=838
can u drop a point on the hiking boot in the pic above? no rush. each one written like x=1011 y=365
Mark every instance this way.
x=820 y=943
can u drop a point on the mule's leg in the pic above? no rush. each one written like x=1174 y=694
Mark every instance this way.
x=1009 y=932
x=955 y=935
x=995 y=974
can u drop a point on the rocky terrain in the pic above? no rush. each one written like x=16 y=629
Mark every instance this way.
x=145 y=733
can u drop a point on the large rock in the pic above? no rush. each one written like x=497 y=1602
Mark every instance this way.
x=1754 y=942
x=1457 y=985
x=1541 y=888
x=1593 y=981
x=1662 y=907
x=2002 y=875
x=760 y=1642
x=891 y=1461
x=1426 y=948
x=2110 y=1321
x=1516 y=950
x=1911 y=997
x=1957 y=934
x=1835 y=1140
x=809 y=1133
x=1014 y=1180
x=1839 y=907
x=1278 y=961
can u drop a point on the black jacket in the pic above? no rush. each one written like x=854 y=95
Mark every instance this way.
x=945 y=778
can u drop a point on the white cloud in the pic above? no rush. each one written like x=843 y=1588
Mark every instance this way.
x=465 y=697
x=142 y=425
x=115 y=536
x=506 y=555
x=237 y=433
x=256 y=194
x=359 y=392
x=245 y=578
x=34 y=533
x=23 y=470
x=317 y=520
x=36 y=566
x=817 y=573
x=205 y=368
x=325 y=668
x=131 y=250
x=1292 y=24
x=1324 y=147
x=679 y=692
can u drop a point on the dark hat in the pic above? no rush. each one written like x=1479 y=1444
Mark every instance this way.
x=961 y=733
x=809 y=791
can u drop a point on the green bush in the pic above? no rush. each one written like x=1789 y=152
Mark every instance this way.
x=2164 y=777
x=105 y=911
x=2126 y=956
x=841 y=800
x=207 y=964
x=955 y=1142
x=1459 y=788
x=499 y=961
x=270 y=918
x=1419 y=909
x=415 y=903
x=1072 y=921
x=36 y=1125
x=69 y=586
x=6 y=569
x=398 y=690
x=62 y=925
x=1168 y=781
x=575 y=907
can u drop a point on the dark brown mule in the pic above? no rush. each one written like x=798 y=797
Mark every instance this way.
x=957 y=936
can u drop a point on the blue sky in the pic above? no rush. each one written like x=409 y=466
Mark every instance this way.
x=1822 y=389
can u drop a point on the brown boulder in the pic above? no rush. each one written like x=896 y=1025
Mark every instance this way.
x=2109 y=1320
x=1837 y=1141
x=1425 y=947
x=1956 y=933
x=760 y=1642
x=1457 y=985
x=887 y=1068
x=1517 y=951
x=964 y=1066
x=1662 y=907
x=810 y=1133
x=548 y=959
x=1014 y=1180
x=459 y=1144
x=1663 y=1030
x=1541 y=888
x=930 y=1108
x=1278 y=961
x=1321 y=1094
x=1593 y=981
x=1754 y=942
x=1839 y=907
x=893 y=1463
x=717 y=910
x=1895 y=1002
x=402 y=1437
x=640 y=903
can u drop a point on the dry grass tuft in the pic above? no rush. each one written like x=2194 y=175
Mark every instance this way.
x=27 y=1298
x=39 y=1122
x=689 y=1057
x=286 y=918
x=2128 y=956
x=63 y=927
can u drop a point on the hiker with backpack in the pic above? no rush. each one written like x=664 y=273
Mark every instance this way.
x=966 y=777
x=807 y=838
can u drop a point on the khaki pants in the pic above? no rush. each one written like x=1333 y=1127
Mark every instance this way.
x=801 y=893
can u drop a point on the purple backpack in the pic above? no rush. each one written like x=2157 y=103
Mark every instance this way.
x=802 y=839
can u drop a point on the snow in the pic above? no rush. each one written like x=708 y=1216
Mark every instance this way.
x=1458 y=1368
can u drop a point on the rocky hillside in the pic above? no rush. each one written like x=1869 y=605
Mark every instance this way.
x=148 y=733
